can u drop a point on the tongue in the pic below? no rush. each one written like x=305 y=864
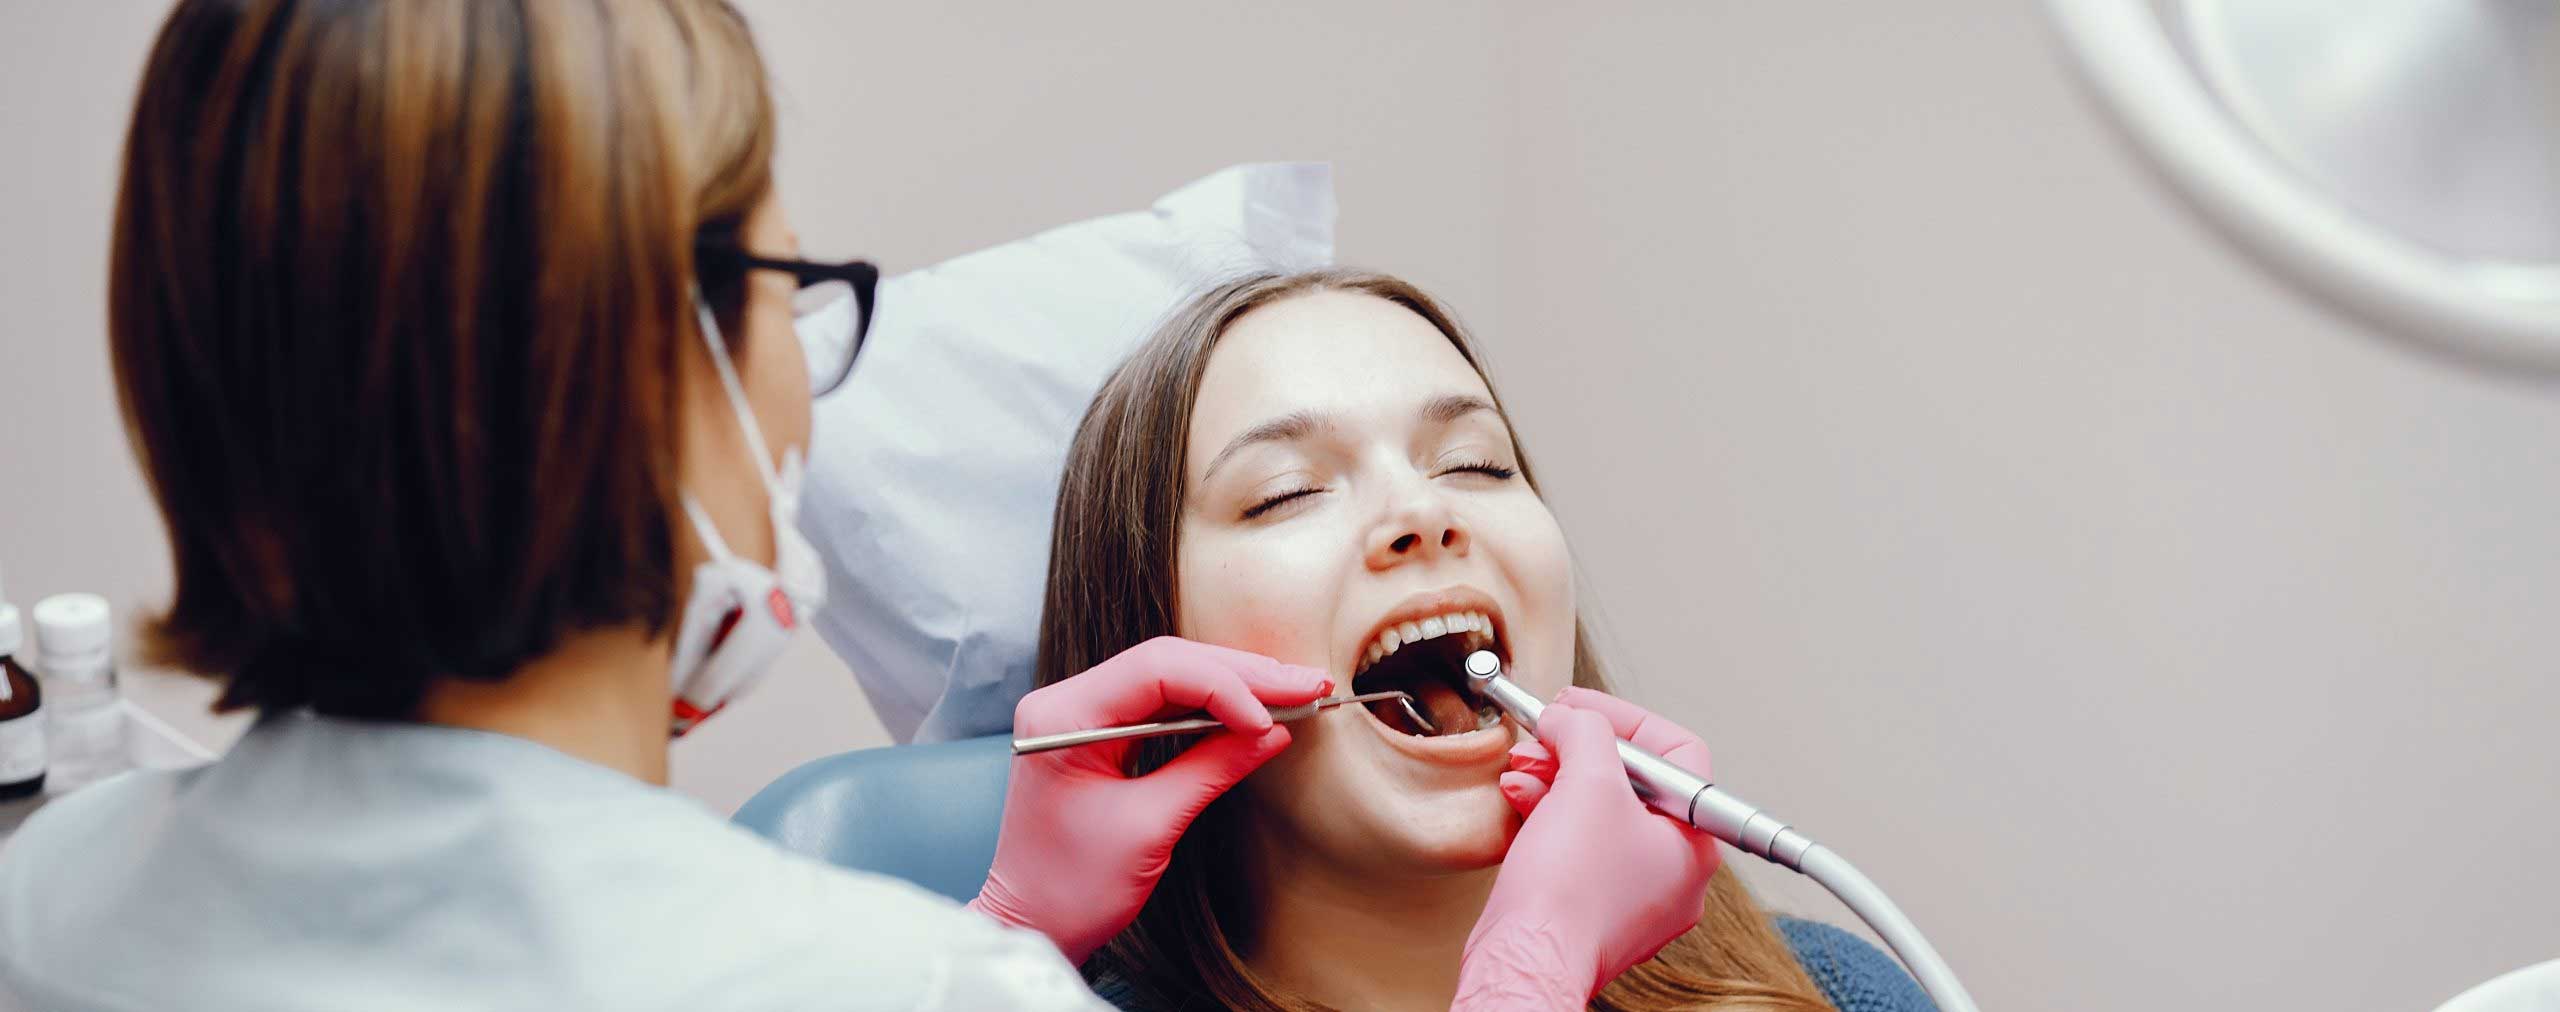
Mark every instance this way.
x=1447 y=709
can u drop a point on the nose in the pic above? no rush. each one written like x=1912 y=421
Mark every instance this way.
x=1418 y=527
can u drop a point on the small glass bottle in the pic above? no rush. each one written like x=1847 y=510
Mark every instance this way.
x=22 y=756
x=85 y=721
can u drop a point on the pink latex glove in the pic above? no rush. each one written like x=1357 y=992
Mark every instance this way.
x=1595 y=882
x=1082 y=843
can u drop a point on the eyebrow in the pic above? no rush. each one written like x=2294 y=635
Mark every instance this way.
x=1297 y=425
x=1451 y=407
x=1288 y=428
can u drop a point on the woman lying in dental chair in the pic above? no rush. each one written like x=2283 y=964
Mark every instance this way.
x=1314 y=467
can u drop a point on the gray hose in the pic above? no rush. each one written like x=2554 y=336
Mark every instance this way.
x=1691 y=799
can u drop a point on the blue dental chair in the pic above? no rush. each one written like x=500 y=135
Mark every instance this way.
x=929 y=814
x=926 y=813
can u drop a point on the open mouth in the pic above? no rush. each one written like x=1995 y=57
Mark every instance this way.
x=1425 y=658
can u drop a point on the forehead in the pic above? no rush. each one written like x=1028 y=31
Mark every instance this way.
x=1356 y=358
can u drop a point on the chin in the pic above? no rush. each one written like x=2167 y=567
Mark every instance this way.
x=1460 y=831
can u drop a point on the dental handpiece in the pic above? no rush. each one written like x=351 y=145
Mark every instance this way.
x=1671 y=790
x=1696 y=801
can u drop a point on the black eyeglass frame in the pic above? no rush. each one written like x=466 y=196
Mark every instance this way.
x=726 y=258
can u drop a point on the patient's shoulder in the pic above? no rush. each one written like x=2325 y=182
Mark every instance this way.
x=1856 y=976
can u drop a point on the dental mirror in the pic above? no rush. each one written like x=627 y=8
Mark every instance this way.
x=2399 y=159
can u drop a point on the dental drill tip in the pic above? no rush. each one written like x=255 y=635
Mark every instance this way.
x=1483 y=664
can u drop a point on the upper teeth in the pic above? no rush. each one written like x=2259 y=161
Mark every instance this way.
x=1472 y=624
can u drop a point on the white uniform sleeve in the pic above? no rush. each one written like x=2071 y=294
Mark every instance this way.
x=1022 y=971
x=801 y=934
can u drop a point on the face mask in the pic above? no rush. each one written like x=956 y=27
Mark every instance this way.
x=741 y=615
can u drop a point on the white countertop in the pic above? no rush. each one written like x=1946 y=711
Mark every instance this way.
x=169 y=723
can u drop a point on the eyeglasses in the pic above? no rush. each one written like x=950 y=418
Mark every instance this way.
x=831 y=313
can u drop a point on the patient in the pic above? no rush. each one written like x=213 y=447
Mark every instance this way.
x=1314 y=467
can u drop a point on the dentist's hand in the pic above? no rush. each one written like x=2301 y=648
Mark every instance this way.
x=1595 y=882
x=1083 y=843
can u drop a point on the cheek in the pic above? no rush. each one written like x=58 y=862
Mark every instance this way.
x=777 y=372
x=1251 y=598
x=1540 y=571
x=1288 y=790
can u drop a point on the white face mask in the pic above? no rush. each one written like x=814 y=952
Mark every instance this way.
x=741 y=615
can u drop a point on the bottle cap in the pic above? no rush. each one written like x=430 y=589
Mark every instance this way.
x=69 y=625
x=12 y=635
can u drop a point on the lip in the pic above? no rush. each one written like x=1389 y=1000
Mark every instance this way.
x=1481 y=747
x=1425 y=605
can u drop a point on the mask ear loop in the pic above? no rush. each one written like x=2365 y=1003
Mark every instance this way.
x=703 y=528
x=737 y=391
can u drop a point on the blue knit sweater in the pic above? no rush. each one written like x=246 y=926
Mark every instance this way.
x=1853 y=974
x=1856 y=976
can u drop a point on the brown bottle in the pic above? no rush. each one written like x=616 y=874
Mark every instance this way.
x=22 y=756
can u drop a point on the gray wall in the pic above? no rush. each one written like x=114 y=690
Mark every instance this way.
x=2143 y=627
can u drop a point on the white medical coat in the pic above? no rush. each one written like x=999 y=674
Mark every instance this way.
x=335 y=864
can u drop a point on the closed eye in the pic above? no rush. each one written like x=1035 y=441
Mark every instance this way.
x=1487 y=468
x=1277 y=501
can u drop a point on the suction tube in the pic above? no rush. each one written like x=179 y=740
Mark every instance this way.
x=1684 y=796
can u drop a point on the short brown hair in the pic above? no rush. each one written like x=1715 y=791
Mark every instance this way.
x=397 y=299
x=1112 y=565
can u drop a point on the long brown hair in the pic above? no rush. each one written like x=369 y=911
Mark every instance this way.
x=1112 y=585
x=397 y=299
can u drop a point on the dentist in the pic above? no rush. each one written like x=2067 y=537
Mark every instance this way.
x=457 y=342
